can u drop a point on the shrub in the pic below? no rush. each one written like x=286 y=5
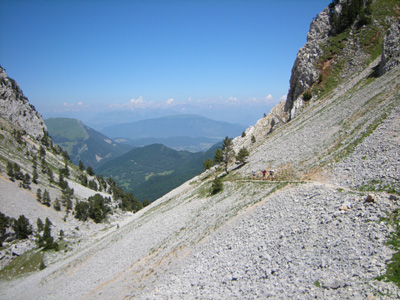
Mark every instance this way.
x=217 y=186
x=307 y=95
x=207 y=164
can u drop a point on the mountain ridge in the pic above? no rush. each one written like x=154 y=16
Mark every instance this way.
x=83 y=143
x=173 y=126
x=151 y=171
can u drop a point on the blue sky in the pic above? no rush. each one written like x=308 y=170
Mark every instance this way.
x=222 y=58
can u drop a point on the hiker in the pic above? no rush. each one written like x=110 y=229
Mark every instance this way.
x=271 y=174
x=254 y=175
x=264 y=173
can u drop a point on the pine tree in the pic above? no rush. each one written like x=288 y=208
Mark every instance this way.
x=227 y=152
x=57 y=205
x=81 y=210
x=217 y=186
x=50 y=176
x=22 y=227
x=242 y=155
x=90 y=171
x=81 y=166
x=39 y=224
x=35 y=176
x=207 y=164
x=218 y=157
x=39 y=195
x=44 y=166
x=42 y=152
x=65 y=170
x=18 y=175
x=68 y=204
x=26 y=181
x=46 y=240
x=46 y=198
x=10 y=171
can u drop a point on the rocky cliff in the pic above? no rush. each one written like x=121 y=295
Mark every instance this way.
x=15 y=107
x=305 y=71
x=339 y=47
x=391 y=49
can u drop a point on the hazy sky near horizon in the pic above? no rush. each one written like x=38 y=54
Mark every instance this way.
x=98 y=56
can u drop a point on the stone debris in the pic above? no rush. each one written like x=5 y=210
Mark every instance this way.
x=295 y=245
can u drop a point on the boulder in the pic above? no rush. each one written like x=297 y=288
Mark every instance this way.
x=369 y=199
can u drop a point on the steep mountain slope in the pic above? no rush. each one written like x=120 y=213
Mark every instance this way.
x=39 y=185
x=152 y=171
x=278 y=239
x=83 y=143
x=319 y=230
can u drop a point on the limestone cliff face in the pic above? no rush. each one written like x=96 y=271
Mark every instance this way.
x=391 y=49
x=305 y=71
x=347 y=54
x=15 y=108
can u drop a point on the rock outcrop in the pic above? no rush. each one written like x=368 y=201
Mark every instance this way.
x=305 y=71
x=15 y=108
x=391 y=49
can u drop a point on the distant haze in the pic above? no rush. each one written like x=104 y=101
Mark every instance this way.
x=225 y=60
x=173 y=126
x=244 y=113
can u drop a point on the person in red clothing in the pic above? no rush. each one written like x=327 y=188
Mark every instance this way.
x=264 y=172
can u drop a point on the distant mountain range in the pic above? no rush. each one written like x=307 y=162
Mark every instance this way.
x=149 y=171
x=180 y=132
x=83 y=143
x=152 y=171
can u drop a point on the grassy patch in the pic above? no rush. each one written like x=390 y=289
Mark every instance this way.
x=379 y=186
x=334 y=45
x=393 y=266
x=370 y=38
x=331 y=78
x=285 y=173
x=31 y=261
